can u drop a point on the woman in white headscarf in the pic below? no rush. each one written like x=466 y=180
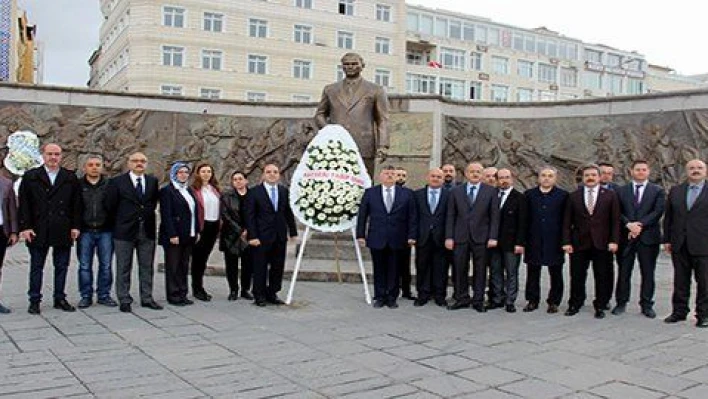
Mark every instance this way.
x=179 y=228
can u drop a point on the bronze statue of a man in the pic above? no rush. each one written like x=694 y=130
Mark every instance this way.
x=359 y=106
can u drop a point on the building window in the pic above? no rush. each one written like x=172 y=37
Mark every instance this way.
x=452 y=88
x=382 y=45
x=257 y=27
x=614 y=84
x=456 y=30
x=635 y=86
x=212 y=94
x=426 y=24
x=546 y=73
x=302 y=69
x=524 y=95
x=383 y=12
x=345 y=40
x=480 y=33
x=303 y=34
x=172 y=56
x=552 y=48
x=301 y=98
x=592 y=80
x=475 y=91
x=173 y=16
x=593 y=56
x=545 y=95
x=529 y=43
x=476 y=61
x=171 y=90
x=500 y=65
x=213 y=22
x=541 y=46
x=420 y=84
x=468 y=32
x=614 y=60
x=441 y=27
x=211 y=59
x=255 y=96
x=303 y=3
x=524 y=68
x=500 y=94
x=452 y=58
x=346 y=7
x=569 y=77
x=382 y=77
x=494 y=37
x=412 y=22
x=257 y=64
x=518 y=41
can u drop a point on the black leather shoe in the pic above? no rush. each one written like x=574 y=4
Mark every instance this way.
x=108 y=301
x=552 y=309
x=649 y=312
x=674 y=318
x=441 y=302
x=33 y=308
x=531 y=306
x=275 y=301
x=511 y=309
x=188 y=301
x=378 y=304
x=572 y=311
x=492 y=305
x=392 y=304
x=125 y=308
x=151 y=305
x=202 y=296
x=702 y=323
x=619 y=309
x=458 y=306
x=233 y=296
x=246 y=295
x=177 y=303
x=64 y=305
x=479 y=308
x=599 y=314
x=420 y=302
x=260 y=302
x=408 y=296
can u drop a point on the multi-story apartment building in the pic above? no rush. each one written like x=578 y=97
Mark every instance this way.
x=287 y=50
x=661 y=79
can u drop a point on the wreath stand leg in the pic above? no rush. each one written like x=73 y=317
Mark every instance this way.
x=336 y=257
x=298 y=262
x=367 y=295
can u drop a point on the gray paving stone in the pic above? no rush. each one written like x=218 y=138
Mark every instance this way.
x=491 y=375
x=448 y=385
x=391 y=391
x=533 y=388
x=618 y=390
x=449 y=363
x=489 y=394
x=696 y=392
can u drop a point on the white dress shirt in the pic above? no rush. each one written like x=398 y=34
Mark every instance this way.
x=211 y=204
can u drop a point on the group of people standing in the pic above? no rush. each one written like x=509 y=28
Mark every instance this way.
x=488 y=221
x=55 y=209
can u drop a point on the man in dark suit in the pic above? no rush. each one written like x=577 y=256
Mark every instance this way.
x=49 y=216
x=390 y=213
x=449 y=176
x=132 y=199
x=471 y=228
x=506 y=257
x=404 y=261
x=641 y=207
x=546 y=206
x=359 y=106
x=10 y=228
x=269 y=222
x=591 y=234
x=607 y=176
x=431 y=271
x=686 y=239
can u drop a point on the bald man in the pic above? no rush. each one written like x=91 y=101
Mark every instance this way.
x=686 y=239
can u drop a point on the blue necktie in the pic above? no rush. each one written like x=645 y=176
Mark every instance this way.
x=139 y=188
x=692 y=196
x=471 y=194
x=433 y=200
x=274 y=197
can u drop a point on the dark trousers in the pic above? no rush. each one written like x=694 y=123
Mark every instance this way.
x=430 y=271
x=38 y=256
x=232 y=275
x=268 y=266
x=201 y=252
x=504 y=276
x=533 y=283
x=3 y=249
x=449 y=267
x=385 y=265
x=145 y=249
x=685 y=264
x=647 y=255
x=176 y=270
x=478 y=253
x=404 y=270
x=602 y=270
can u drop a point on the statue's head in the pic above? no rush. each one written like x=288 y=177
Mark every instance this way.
x=352 y=64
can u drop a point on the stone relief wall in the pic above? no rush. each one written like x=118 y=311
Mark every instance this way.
x=666 y=139
x=229 y=143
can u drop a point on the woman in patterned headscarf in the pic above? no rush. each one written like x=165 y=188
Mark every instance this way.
x=179 y=228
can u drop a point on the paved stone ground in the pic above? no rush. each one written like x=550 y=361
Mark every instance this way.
x=331 y=344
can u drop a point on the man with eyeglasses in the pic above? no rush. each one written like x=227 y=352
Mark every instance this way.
x=132 y=199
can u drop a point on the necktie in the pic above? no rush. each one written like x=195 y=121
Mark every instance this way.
x=139 y=187
x=274 y=197
x=471 y=194
x=501 y=198
x=389 y=200
x=636 y=194
x=433 y=200
x=692 y=196
x=591 y=201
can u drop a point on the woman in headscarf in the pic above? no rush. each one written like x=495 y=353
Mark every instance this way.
x=232 y=241
x=179 y=228
x=207 y=192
